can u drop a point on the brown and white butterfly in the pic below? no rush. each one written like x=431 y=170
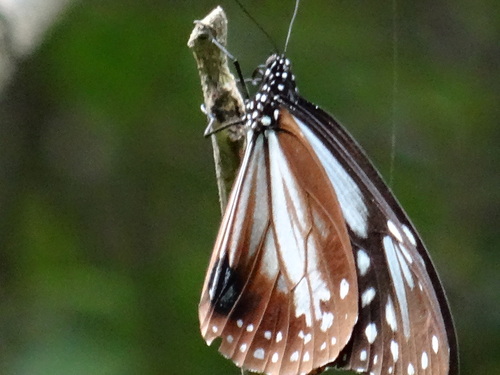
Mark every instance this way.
x=316 y=264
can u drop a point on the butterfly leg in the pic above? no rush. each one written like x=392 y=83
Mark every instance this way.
x=210 y=129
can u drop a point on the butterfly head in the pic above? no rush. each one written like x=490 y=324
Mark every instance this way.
x=277 y=87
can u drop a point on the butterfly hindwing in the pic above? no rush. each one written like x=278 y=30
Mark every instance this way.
x=404 y=324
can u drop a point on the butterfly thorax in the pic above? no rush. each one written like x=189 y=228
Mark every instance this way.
x=277 y=86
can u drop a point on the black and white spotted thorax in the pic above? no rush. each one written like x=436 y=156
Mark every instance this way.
x=277 y=87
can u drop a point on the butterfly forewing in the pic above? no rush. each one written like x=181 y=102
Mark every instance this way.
x=282 y=290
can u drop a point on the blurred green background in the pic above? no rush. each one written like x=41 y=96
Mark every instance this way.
x=108 y=201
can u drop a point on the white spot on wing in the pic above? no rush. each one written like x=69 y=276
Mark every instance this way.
x=344 y=288
x=275 y=357
x=294 y=357
x=363 y=355
x=394 y=230
x=394 y=350
x=243 y=348
x=367 y=296
x=410 y=235
x=371 y=332
x=229 y=339
x=239 y=323
x=390 y=315
x=259 y=353
x=424 y=361
x=321 y=225
x=268 y=335
x=250 y=328
x=326 y=321
x=306 y=357
x=435 y=344
x=411 y=369
x=307 y=338
x=316 y=282
x=302 y=301
x=363 y=261
x=282 y=287
x=279 y=336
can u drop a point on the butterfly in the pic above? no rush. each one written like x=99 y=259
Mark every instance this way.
x=316 y=264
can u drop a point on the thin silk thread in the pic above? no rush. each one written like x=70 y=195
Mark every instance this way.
x=395 y=86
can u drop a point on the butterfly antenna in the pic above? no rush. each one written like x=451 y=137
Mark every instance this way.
x=271 y=40
x=291 y=24
x=235 y=63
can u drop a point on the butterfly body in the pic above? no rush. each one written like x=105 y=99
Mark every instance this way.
x=316 y=263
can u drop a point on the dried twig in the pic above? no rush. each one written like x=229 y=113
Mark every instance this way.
x=222 y=100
